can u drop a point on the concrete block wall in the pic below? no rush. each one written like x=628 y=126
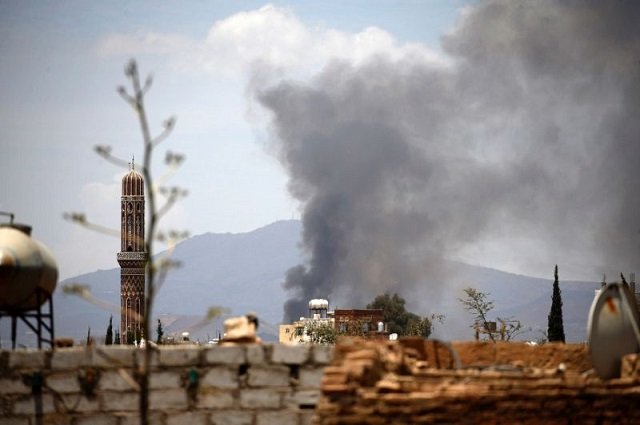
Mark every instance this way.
x=196 y=385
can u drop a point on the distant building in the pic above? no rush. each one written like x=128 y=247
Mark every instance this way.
x=363 y=322
x=369 y=321
x=294 y=333
x=132 y=256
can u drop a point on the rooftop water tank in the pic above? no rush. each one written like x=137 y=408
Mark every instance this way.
x=28 y=271
x=318 y=307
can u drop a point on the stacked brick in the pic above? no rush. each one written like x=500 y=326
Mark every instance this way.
x=425 y=382
x=221 y=385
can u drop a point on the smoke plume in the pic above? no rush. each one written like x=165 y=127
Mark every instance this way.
x=528 y=131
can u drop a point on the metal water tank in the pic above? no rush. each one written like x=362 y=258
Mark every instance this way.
x=28 y=271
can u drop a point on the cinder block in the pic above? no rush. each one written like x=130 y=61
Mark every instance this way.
x=306 y=418
x=283 y=417
x=268 y=376
x=27 y=359
x=155 y=418
x=187 y=418
x=302 y=399
x=290 y=354
x=116 y=356
x=77 y=403
x=96 y=420
x=15 y=421
x=119 y=401
x=28 y=405
x=323 y=354
x=168 y=399
x=221 y=377
x=71 y=358
x=310 y=377
x=232 y=417
x=226 y=354
x=63 y=382
x=159 y=380
x=13 y=385
x=114 y=380
x=179 y=356
x=215 y=399
x=56 y=419
x=255 y=354
x=260 y=399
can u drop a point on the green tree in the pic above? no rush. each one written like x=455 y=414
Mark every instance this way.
x=108 y=340
x=419 y=327
x=555 y=327
x=160 y=332
x=320 y=333
x=116 y=339
x=398 y=319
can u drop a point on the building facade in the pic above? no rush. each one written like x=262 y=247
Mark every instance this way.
x=367 y=323
x=132 y=256
x=360 y=321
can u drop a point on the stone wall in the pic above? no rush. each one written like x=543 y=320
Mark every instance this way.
x=411 y=381
x=230 y=385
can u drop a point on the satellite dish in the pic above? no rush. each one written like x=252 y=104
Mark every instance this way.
x=613 y=329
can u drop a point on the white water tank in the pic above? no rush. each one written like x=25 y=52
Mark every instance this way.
x=318 y=306
x=26 y=266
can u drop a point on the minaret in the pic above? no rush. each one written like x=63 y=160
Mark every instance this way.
x=132 y=256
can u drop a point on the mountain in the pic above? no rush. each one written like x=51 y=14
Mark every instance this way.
x=243 y=272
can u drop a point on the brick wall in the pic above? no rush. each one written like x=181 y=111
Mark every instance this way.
x=422 y=382
x=230 y=385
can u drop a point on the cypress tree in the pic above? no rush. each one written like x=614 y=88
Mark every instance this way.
x=108 y=340
x=160 y=332
x=555 y=330
x=130 y=336
x=117 y=338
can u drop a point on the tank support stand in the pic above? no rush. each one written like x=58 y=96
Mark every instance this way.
x=39 y=322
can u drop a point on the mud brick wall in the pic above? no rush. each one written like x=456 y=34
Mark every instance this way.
x=423 y=382
x=218 y=385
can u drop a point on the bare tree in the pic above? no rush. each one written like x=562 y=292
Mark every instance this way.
x=478 y=304
x=155 y=269
x=510 y=327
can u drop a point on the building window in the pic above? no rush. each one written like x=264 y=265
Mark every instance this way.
x=365 y=327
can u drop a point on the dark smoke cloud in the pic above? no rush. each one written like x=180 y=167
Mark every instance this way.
x=532 y=132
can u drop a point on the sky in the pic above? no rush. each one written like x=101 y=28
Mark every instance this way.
x=60 y=64
x=493 y=132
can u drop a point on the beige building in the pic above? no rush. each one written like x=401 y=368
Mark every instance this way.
x=294 y=333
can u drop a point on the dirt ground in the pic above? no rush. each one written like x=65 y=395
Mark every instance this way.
x=547 y=356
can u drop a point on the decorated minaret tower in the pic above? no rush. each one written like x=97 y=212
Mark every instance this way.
x=132 y=256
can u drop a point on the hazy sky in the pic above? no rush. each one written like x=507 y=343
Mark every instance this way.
x=500 y=133
x=60 y=64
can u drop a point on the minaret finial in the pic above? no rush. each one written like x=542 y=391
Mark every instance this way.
x=133 y=162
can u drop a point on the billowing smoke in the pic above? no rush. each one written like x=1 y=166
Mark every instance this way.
x=530 y=130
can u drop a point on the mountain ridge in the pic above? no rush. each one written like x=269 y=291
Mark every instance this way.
x=244 y=272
